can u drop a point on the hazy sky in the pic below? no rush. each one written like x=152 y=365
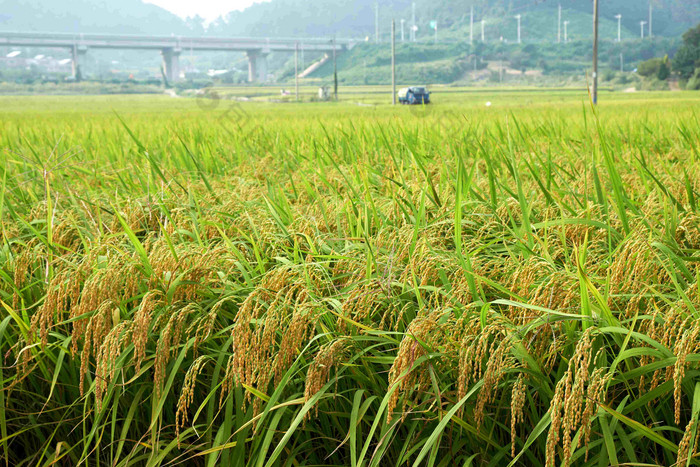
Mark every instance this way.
x=208 y=9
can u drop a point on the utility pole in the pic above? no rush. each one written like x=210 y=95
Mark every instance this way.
x=641 y=26
x=518 y=18
x=414 y=27
x=335 y=72
x=483 y=36
x=619 y=27
x=559 y=26
x=566 y=31
x=296 y=70
x=393 y=62
x=651 y=17
x=402 y=36
x=500 y=69
x=376 y=23
x=622 y=63
x=595 y=52
x=471 y=27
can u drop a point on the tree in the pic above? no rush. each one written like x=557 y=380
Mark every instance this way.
x=196 y=24
x=692 y=36
x=687 y=58
x=664 y=70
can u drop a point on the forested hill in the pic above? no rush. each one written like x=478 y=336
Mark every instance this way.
x=349 y=18
x=356 y=18
x=89 y=16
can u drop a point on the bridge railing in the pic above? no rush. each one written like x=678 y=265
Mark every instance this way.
x=87 y=37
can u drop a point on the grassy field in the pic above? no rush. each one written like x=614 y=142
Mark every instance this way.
x=209 y=282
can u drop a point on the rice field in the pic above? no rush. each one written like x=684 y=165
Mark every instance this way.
x=219 y=283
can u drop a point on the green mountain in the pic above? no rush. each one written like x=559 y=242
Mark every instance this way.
x=89 y=16
x=451 y=58
x=356 y=18
x=351 y=18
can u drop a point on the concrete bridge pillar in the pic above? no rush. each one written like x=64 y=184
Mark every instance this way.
x=257 y=66
x=171 y=64
x=79 y=52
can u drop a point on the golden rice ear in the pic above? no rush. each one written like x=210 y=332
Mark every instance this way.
x=633 y=267
x=685 y=346
x=484 y=354
x=260 y=356
x=187 y=394
x=142 y=325
x=326 y=360
x=107 y=356
x=498 y=362
x=227 y=383
x=517 y=402
x=98 y=328
x=576 y=400
x=684 y=451
x=687 y=234
x=167 y=344
x=424 y=331
x=21 y=267
x=299 y=330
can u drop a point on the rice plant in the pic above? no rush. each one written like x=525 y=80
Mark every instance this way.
x=331 y=284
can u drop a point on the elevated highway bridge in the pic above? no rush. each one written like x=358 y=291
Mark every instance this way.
x=171 y=47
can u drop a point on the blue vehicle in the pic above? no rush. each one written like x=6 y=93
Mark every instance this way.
x=414 y=95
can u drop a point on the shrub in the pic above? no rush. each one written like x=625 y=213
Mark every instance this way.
x=649 y=68
x=694 y=82
x=664 y=70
